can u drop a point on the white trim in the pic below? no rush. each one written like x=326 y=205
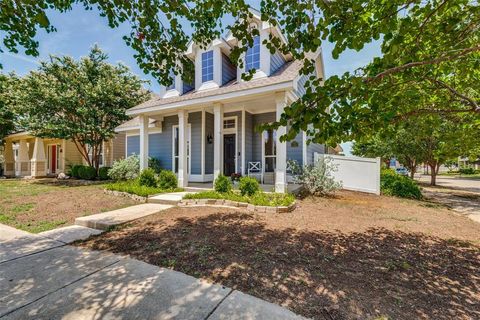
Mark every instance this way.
x=214 y=98
x=229 y=132
x=189 y=155
x=202 y=151
x=263 y=153
x=243 y=171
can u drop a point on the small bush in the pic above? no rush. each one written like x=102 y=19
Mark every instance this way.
x=74 y=171
x=154 y=164
x=87 y=172
x=223 y=184
x=248 y=186
x=317 y=179
x=147 y=178
x=167 y=180
x=393 y=184
x=466 y=171
x=259 y=198
x=134 y=187
x=125 y=169
x=103 y=173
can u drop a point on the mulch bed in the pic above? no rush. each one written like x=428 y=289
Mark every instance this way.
x=354 y=257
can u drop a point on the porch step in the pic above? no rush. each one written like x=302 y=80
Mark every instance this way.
x=168 y=198
x=269 y=178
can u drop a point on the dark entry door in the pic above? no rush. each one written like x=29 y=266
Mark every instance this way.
x=228 y=154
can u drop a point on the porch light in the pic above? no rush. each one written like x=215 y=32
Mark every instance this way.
x=209 y=138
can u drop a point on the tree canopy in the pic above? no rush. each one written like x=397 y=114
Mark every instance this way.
x=7 y=117
x=83 y=101
x=428 y=46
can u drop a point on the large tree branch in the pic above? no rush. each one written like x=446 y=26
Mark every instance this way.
x=452 y=90
x=409 y=65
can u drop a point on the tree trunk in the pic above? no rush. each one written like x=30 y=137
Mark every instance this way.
x=412 y=172
x=433 y=173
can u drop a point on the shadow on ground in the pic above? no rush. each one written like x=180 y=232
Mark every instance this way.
x=324 y=275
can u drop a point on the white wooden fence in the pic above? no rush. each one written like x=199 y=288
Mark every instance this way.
x=356 y=173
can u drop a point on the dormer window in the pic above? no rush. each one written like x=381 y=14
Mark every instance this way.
x=171 y=75
x=252 y=57
x=207 y=66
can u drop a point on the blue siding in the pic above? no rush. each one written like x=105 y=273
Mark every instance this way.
x=133 y=145
x=312 y=148
x=195 y=120
x=209 y=146
x=295 y=149
x=187 y=87
x=301 y=90
x=276 y=62
x=229 y=72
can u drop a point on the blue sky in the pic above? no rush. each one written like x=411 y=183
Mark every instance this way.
x=78 y=30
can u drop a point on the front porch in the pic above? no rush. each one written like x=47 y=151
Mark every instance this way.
x=199 y=143
x=29 y=156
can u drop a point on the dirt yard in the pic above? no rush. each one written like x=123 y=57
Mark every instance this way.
x=355 y=256
x=41 y=205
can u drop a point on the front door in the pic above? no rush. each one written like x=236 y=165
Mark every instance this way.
x=228 y=154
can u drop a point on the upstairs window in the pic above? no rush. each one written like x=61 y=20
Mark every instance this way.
x=252 y=57
x=207 y=66
x=171 y=75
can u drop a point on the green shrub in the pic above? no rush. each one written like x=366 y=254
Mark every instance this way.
x=318 y=179
x=125 y=169
x=154 y=164
x=393 y=184
x=223 y=184
x=248 y=186
x=259 y=198
x=134 y=187
x=87 y=172
x=466 y=171
x=147 y=178
x=167 y=180
x=103 y=173
x=74 y=170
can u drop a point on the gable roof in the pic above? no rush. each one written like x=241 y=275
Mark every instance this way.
x=288 y=72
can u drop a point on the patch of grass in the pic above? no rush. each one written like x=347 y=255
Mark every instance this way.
x=39 y=226
x=394 y=265
x=133 y=187
x=258 y=199
x=23 y=207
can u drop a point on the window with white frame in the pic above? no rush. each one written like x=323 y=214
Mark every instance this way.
x=229 y=123
x=252 y=57
x=100 y=155
x=207 y=66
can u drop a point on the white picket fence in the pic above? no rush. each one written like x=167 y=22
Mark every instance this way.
x=356 y=173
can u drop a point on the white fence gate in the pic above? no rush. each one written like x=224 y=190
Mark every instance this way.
x=356 y=173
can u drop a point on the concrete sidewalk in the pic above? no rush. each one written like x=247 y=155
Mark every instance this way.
x=46 y=279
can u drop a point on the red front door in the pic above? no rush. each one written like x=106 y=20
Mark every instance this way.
x=53 y=164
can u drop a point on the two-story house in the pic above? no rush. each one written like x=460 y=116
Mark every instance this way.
x=208 y=128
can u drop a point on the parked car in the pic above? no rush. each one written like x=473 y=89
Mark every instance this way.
x=402 y=171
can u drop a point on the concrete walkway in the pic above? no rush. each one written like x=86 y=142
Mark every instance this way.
x=106 y=220
x=46 y=279
x=172 y=198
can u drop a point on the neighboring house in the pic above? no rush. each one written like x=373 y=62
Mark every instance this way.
x=207 y=128
x=29 y=156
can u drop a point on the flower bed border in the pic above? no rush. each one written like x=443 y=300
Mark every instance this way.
x=230 y=203
x=126 y=195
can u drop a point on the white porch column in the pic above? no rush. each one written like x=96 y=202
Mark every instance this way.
x=281 y=158
x=9 y=168
x=217 y=139
x=143 y=142
x=182 y=149
x=23 y=159
x=244 y=169
x=38 y=162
